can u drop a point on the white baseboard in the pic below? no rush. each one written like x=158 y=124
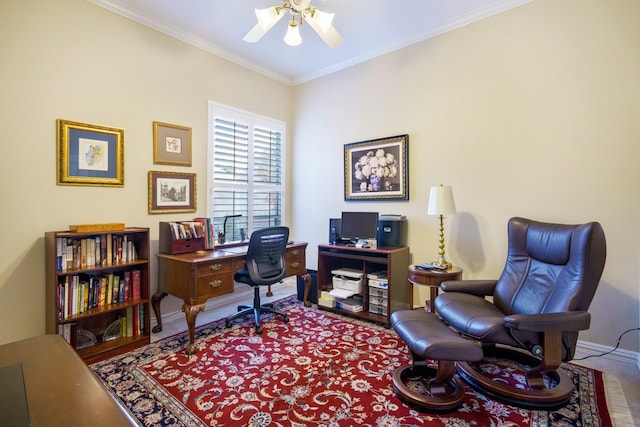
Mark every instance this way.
x=631 y=358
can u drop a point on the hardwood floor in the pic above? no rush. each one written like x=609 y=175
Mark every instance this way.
x=627 y=375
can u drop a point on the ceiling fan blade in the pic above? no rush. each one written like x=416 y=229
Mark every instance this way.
x=325 y=30
x=267 y=18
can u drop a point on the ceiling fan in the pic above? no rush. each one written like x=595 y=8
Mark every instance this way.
x=300 y=11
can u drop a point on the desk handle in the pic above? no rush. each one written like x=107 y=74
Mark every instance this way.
x=295 y=252
x=215 y=267
x=295 y=264
x=215 y=283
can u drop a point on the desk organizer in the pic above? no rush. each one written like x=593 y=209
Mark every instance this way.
x=170 y=244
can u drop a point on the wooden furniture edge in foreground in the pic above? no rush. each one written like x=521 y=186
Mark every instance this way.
x=61 y=390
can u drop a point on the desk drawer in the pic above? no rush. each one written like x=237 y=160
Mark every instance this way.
x=295 y=261
x=213 y=285
x=214 y=267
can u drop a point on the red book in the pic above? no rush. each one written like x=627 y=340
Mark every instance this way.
x=136 y=321
x=127 y=286
x=135 y=284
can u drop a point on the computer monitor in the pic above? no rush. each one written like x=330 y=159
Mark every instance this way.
x=358 y=225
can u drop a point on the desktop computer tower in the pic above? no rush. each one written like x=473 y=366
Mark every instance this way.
x=392 y=230
x=334 y=230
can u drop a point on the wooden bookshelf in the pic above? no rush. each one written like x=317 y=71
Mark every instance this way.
x=85 y=265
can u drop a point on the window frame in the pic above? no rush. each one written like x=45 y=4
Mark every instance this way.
x=253 y=120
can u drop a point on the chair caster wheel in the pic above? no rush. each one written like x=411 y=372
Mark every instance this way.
x=258 y=330
x=285 y=319
x=227 y=324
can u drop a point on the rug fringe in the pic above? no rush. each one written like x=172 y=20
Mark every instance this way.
x=618 y=406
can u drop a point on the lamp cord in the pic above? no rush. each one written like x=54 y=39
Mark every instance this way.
x=613 y=349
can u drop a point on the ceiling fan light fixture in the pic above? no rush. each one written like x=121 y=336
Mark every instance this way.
x=323 y=19
x=267 y=17
x=292 y=38
x=320 y=22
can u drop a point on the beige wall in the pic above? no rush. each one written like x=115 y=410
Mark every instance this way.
x=534 y=112
x=73 y=60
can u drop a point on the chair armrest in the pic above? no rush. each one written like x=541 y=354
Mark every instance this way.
x=482 y=288
x=565 y=322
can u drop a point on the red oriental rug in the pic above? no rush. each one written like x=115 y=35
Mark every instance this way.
x=320 y=369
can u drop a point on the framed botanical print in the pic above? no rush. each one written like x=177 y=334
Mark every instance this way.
x=377 y=169
x=171 y=144
x=89 y=154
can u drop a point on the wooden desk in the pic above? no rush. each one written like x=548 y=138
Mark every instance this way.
x=195 y=277
x=61 y=390
x=431 y=278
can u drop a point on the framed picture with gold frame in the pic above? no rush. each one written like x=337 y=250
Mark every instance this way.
x=171 y=144
x=172 y=192
x=89 y=154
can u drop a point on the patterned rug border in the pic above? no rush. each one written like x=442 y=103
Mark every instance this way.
x=613 y=396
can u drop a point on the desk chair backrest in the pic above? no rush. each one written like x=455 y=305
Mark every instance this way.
x=550 y=268
x=265 y=255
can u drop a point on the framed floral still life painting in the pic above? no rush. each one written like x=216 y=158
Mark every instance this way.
x=172 y=192
x=89 y=154
x=171 y=144
x=377 y=169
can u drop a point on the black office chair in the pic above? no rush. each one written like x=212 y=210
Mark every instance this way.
x=265 y=265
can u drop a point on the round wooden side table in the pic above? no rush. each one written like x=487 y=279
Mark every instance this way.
x=431 y=278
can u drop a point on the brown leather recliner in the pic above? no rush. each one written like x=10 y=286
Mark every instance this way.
x=538 y=305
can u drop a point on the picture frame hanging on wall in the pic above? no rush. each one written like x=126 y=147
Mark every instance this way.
x=172 y=192
x=171 y=144
x=89 y=154
x=377 y=169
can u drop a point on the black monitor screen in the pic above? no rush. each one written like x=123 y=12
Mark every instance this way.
x=361 y=225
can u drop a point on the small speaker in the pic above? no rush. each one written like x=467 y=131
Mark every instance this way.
x=334 y=230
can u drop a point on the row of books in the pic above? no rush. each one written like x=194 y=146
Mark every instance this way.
x=129 y=324
x=132 y=323
x=198 y=228
x=95 y=251
x=78 y=294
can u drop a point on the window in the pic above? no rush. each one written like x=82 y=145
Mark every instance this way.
x=245 y=171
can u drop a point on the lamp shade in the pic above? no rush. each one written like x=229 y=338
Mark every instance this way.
x=441 y=201
x=292 y=38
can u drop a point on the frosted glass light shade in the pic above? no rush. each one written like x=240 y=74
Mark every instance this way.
x=292 y=38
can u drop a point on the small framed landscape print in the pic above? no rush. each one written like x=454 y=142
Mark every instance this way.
x=171 y=144
x=171 y=192
x=377 y=169
x=89 y=154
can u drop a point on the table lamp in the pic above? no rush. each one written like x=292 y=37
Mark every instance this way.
x=441 y=203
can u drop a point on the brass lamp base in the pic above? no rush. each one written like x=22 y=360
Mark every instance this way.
x=443 y=263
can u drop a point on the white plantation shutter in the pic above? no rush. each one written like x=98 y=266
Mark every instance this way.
x=246 y=171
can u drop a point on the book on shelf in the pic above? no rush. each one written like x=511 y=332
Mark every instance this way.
x=129 y=324
x=135 y=284
x=136 y=320
x=68 y=332
x=95 y=251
